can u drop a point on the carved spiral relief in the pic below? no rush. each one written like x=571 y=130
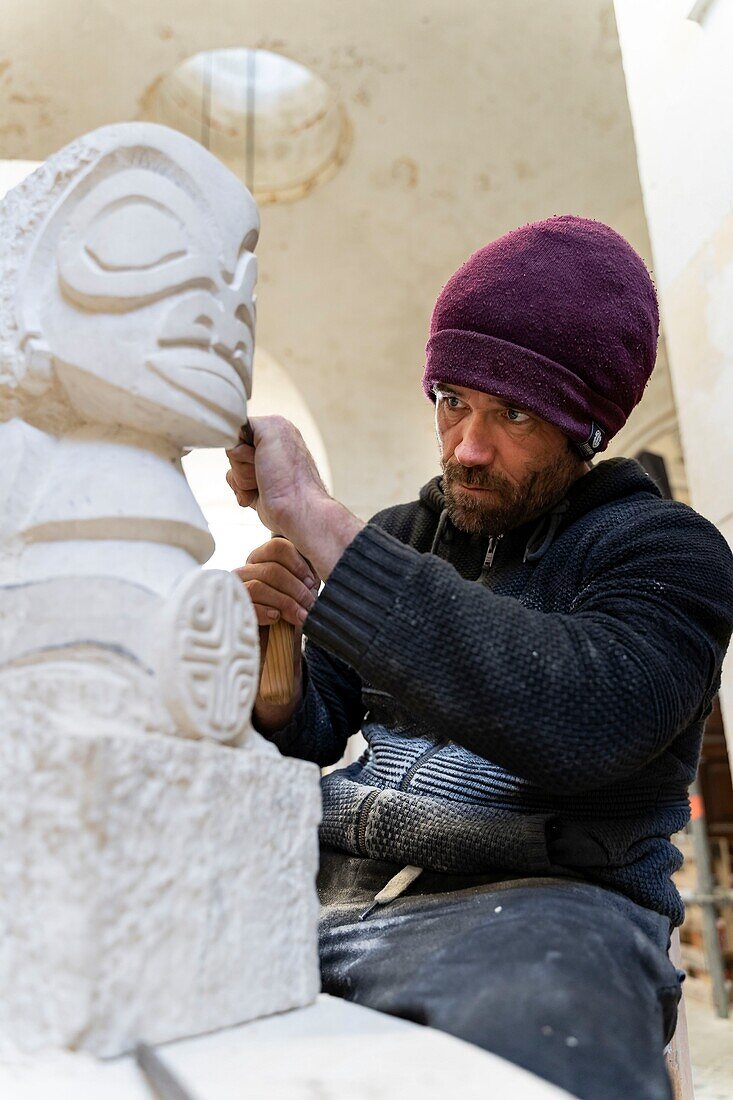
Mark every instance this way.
x=209 y=656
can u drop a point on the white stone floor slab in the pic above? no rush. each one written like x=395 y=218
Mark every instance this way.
x=331 y=1050
x=711 y=1044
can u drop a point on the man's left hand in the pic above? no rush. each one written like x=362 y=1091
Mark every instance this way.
x=278 y=477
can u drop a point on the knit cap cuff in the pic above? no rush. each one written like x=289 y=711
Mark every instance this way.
x=514 y=373
x=357 y=597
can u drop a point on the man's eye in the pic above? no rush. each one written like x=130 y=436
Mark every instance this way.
x=514 y=416
x=449 y=401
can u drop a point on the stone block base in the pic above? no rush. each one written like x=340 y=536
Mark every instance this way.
x=151 y=887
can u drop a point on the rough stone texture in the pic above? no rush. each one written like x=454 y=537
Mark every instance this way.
x=155 y=881
x=151 y=887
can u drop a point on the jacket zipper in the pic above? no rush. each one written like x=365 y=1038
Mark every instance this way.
x=364 y=812
x=491 y=552
x=414 y=769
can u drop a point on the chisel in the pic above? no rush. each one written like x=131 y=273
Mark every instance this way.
x=394 y=888
x=277 y=683
x=162 y=1081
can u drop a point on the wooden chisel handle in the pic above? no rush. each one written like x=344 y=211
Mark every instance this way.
x=277 y=682
x=278 y=674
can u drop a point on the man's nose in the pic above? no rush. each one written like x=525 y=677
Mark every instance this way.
x=477 y=446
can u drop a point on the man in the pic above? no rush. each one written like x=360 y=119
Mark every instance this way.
x=531 y=650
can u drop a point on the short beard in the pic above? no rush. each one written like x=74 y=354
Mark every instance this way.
x=510 y=505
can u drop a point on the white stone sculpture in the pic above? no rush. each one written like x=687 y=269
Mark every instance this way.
x=157 y=856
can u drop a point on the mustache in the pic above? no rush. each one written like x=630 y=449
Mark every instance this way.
x=476 y=477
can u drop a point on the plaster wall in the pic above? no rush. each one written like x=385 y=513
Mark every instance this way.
x=468 y=119
x=680 y=84
x=652 y=425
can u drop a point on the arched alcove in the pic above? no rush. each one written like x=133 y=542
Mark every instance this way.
x=276 y=123
x=236 y=530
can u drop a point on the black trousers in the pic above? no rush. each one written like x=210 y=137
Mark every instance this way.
x=567 y=979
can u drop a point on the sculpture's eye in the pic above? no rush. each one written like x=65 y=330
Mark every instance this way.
x=135 y=236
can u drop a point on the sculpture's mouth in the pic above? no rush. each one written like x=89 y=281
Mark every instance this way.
x=237 y=359
x=212 y=333
x=214 y=380
x=208 y=357
x=205 y=349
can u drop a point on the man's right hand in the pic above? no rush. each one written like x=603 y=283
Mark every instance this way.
x=281 y=585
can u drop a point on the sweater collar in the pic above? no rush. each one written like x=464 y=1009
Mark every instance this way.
x=609 y=480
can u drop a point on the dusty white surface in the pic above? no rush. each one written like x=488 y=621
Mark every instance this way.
x=151 y=887
x=331 y=1050
x=711 y=1043
x=155 y=881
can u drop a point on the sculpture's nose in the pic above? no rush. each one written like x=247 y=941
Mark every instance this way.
x=222 y=320
x=233 y=322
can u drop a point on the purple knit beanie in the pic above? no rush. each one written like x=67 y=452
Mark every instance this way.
x=560 y=316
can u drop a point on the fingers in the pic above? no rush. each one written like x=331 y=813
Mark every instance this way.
x=271 y=604
x=284 y=552
x=279 y=582
x=241 y=477
x=243 y=471
x=260 y=426
x=245 y=497
x=243 y=452
x=275 y=576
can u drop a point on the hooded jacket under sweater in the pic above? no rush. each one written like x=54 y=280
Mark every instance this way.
x=532 y=704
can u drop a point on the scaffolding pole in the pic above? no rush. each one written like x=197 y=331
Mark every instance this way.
x=708 y=902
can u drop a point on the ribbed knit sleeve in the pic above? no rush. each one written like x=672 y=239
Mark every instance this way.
x=331 y=711
x=575 y=700
x=360 y=594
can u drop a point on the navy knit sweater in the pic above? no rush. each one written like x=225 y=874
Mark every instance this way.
x=545 y=719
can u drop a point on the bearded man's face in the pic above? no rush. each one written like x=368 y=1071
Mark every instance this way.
x=501 y=465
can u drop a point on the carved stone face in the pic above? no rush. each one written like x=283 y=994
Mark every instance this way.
x=140 y=290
